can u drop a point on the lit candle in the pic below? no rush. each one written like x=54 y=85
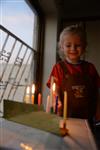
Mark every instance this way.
x=51 y=92
x=54 y=95
x=39 y=99
x=33 y=91
x=27 y=97
x=65 y=106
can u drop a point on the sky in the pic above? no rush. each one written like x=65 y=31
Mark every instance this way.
x=18 y=18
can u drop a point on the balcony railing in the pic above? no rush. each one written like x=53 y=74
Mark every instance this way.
x=17 y=63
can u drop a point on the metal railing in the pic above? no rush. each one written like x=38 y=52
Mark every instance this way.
x=16 y=66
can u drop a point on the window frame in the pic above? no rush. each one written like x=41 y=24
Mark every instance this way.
x=35 y=6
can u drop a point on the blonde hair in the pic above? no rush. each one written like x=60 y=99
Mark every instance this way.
x=74 y=29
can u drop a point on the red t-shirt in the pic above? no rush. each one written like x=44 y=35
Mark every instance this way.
x=58 y=72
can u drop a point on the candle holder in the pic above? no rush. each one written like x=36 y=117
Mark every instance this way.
x=63 y=128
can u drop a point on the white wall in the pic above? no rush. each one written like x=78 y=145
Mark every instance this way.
x=93 y=48
x=49 y=52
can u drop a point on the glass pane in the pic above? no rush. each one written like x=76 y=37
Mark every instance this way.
x=18 y=32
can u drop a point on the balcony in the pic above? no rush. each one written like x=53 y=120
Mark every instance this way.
x=17 y=64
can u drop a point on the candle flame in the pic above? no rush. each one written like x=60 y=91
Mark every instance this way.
x=54 y=87
x=28 y=90
x=33 y=88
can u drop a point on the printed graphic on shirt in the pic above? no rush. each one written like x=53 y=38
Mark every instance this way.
x=78 y=91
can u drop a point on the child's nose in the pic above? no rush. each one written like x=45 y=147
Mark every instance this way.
x=73 y=47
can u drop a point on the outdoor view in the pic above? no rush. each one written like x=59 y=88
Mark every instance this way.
x=17 y=27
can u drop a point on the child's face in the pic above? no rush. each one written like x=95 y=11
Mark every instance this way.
x=73 y=47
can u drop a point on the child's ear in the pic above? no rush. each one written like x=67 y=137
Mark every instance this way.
x=62 y=48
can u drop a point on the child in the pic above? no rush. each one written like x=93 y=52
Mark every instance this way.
x=78 y=77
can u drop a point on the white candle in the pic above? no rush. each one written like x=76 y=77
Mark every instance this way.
x=51 y=91
x=27 y=97
x=65 y=106
x=48 y=104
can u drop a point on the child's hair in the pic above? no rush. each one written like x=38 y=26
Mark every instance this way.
x=74 y=29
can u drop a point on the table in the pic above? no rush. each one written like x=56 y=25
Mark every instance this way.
x=15 y=136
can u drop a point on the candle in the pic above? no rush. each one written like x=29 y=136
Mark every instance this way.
x=33 y=91
x=48 y=104
x=54 y=91
x=65 y=106
x=54 y=95
x=27 y=97
x=39 y=99
x=32 y=98
x=51 y=92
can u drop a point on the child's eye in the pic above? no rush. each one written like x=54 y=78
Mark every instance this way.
x=78 y=45
x=68 y=46
x=75 y=46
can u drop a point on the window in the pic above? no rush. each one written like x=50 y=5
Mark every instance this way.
x=19 y=34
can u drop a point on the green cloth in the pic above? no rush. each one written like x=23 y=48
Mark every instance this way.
x=31 y=115
x=14 y=108
x=40 y=120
